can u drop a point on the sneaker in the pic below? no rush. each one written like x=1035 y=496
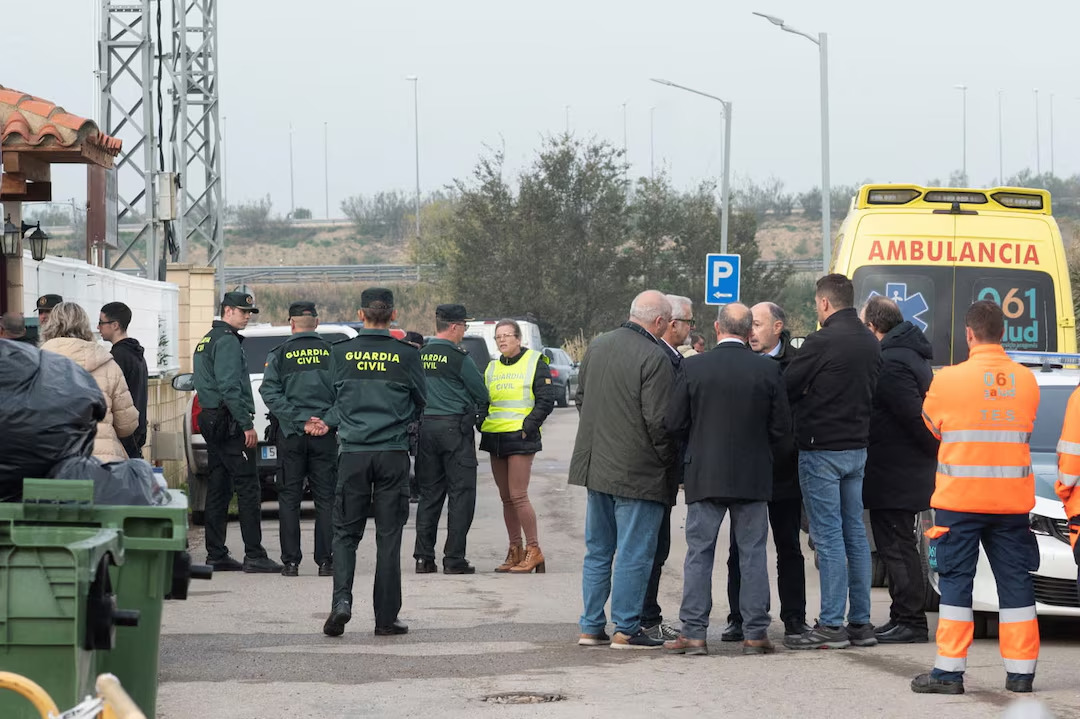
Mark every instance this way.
x=820 y=637
x=326 y=569
x=797 y=627
x=225 y=564
x=687 y=646
x=1020 y=686
x=732 y=633
x=862 y=635
x=663 y=631
x=598 y=639
x=261 y=565
x=640 y=640
x=757 y=646
x=339 y=617
x=290 y=569
x=926 y=684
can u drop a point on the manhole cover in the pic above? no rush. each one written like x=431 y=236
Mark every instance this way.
x=523 y=698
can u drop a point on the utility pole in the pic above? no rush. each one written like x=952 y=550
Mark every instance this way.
x=326 y=169
x=652 y=142
x=292 y=192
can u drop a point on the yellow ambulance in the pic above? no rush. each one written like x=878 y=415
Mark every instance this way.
x=936 y=250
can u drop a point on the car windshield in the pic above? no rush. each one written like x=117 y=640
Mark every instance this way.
x=256 y=349
x=1052 y=401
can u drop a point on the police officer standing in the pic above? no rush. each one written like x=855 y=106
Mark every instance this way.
x=296 y=387
x=45 y=305
x=379 y=389
x=227 y=423
x=446 y=459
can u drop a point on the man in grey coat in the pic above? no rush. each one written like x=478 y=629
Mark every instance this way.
x=623 y=456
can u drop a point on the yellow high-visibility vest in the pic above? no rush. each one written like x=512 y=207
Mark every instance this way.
x=510 y=389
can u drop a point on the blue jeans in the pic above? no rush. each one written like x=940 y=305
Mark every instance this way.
x=629 y=526
x=832 y=486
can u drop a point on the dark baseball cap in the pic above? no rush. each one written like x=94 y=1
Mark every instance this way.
x=414 y=338
x=377 y=298
x=452 y=313
x=240 y=300
x=302 y=309
x=45 y=303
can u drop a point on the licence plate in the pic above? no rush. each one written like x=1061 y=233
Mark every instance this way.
x=269 y=452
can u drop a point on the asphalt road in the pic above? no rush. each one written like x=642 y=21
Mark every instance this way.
x=247 y=646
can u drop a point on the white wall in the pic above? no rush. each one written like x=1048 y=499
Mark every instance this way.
x=154 y=305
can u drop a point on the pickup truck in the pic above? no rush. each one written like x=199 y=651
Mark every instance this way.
x=258 y=341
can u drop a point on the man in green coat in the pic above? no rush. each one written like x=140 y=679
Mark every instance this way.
x=379 y=390
x=446 y=458
x=296 y=387
x=227 y=424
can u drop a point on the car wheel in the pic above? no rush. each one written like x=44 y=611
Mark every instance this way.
x=878 y=575
x=564 y=399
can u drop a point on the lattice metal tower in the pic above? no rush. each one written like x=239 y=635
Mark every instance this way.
x=125 y=79
x=196 y=132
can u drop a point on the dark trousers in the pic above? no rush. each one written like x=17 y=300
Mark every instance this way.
x=785 y=516
x=446 y=472
x=650 y=613
x=315 y=458
x=231 y=466
x=898 y=546
x=372 y=484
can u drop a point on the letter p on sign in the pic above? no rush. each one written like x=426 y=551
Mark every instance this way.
x=722 y=275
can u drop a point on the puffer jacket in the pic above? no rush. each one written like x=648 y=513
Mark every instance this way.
x=121 y=417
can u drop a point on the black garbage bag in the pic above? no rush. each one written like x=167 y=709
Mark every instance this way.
x=49 y=410
x=130 y=482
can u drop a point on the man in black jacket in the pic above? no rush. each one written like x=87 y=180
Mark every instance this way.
x=770 y=337
x=729 y=405
x=113 y=325
x=900 y=465
x=830 y=385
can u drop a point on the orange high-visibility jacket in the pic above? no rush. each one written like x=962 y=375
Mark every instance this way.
x=983 y=410
x=1068 y=481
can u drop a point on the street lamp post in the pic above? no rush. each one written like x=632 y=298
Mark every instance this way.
x=725 y=189
x=652 y=142
x=326 y=168
x=1051 y=134
x=1001 y=144
x=625 y=137
x=822 y=41
x=1038 y=149
x=963 y=130
x=292 y=193
x=415 y=80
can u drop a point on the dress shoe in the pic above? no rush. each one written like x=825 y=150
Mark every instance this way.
x=261 y=565
x=757 y=646
x=795 y=628
x=904 y=634
x=1020 y=686
x=398 y=627
x=465 y=568
x=326 y=569
x=886 y=627
x=926 y=684
x=687 y=646
x=290 y=569
x=732 y=633
x=225 y=564
x=513 y=558
x=533 y=561
x=426 y=566
x=339 y=617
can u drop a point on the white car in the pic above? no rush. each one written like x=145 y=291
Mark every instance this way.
x=258 y=341
x=1055 y=580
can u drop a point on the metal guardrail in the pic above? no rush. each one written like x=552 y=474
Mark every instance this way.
x=799 y=265
x=302 y=274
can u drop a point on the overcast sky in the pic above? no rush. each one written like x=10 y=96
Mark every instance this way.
x=502 y=73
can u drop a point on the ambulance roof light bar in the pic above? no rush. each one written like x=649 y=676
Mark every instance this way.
x=1045 y=359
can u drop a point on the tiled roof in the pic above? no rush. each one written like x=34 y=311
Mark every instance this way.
x=28 y=121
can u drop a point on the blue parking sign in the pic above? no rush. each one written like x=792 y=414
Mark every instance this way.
x=722 y=274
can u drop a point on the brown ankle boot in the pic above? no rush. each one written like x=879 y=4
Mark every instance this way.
x=513 y=558
x=534 y=559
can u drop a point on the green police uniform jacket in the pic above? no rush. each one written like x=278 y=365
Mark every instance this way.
x=296 y=381
x=221 y=374
x=379 y=389
x=454 y=383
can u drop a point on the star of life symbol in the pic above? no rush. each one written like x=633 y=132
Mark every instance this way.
x=911 y=306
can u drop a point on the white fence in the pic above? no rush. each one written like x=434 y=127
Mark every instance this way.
x=154 y=305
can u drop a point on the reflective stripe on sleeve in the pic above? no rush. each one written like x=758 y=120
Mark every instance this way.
x=950 y=664
x=1020 y=666
x=1068 y=480
x=1018 y=614
x=956 y=614
x=1066 y=447
x=987 y=435
x=976 y=471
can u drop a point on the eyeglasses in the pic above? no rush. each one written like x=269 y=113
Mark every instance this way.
x=690 y=321
x=105 y=322
x=505 y=337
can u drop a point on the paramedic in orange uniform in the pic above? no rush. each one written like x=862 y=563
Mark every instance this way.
x=983 y=410
x=1068 y=481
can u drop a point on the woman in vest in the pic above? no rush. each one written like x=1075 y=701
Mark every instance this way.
x=521 y=399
